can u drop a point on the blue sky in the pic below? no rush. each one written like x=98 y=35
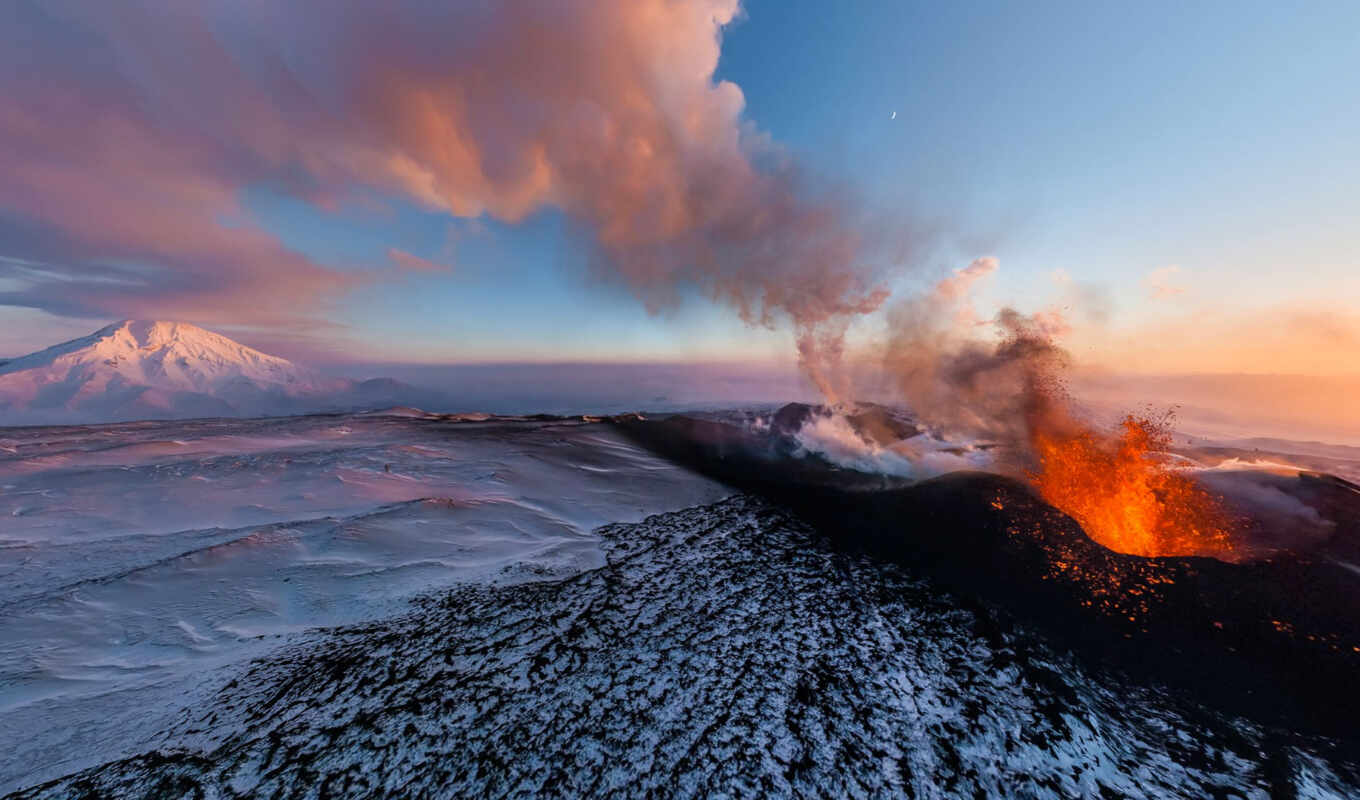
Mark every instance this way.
x=1083 y=145
x=1107 y=140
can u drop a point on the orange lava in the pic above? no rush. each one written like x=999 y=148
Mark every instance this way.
x=1124 y=494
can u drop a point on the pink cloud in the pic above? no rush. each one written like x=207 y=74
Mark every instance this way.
x=958 y=285
x=127 y=133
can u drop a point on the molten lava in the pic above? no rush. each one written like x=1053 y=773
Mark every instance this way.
x=1125 y=495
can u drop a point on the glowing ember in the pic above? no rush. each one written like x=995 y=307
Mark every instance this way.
x=1125 y=495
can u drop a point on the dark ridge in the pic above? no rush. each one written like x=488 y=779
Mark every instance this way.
x=1277 y=640
x=721 y=651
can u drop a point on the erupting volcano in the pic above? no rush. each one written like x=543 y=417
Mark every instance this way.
x=1119 y=485
x=672 y=429
x=1125 y=494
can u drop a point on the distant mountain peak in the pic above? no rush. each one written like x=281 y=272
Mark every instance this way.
x=152 y=333
x=143 y=369
x=162 y=369
x=166 y=355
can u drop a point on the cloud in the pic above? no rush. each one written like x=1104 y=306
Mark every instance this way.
x=1160 y=283
x=957 y=286
x=119 y=224
x=954 y=292
x=128 y=132
x=413 y=263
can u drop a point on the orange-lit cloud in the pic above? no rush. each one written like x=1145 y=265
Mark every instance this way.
x=109 y=216
x=128 y=131
x=957 y=286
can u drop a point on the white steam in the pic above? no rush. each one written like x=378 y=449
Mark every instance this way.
x=918 y=457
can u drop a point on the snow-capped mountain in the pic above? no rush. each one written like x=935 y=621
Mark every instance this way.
x=142 y=369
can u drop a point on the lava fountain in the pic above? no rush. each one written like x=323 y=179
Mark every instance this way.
x=1120 y=485
x=1125 y=494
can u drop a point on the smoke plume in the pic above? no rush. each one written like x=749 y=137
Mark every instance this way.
x=1002 y=380
x=129 y=131
x=970 y=377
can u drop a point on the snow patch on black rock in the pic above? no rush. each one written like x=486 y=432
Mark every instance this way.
x=722 y=651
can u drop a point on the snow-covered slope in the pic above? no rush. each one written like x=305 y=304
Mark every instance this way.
x=402 y=605
x=141 y=369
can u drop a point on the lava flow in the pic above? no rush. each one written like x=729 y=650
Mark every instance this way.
x=1125 y=495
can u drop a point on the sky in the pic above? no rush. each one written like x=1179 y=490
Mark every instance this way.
x=657 y=181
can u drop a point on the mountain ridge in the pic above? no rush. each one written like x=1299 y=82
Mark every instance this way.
x=158 y=369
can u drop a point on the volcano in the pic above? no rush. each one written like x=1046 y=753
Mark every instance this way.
x=439 y=605
x=146 y=369
x=1274 y=637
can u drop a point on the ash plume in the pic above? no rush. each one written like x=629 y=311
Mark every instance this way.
x=965 y=376
x=1009 y=390
x=150 y=118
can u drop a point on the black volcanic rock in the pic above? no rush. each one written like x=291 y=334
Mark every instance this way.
x=789 y=419
x=881 y=425
x=874 y=423
x=742 y=456
x=723 y=651
x=1307 y=513
x=1337 y=501
x=950 y=638
x=1278 y=639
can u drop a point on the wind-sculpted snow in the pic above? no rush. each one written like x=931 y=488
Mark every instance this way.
x=719 y=651
x=144 y=563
